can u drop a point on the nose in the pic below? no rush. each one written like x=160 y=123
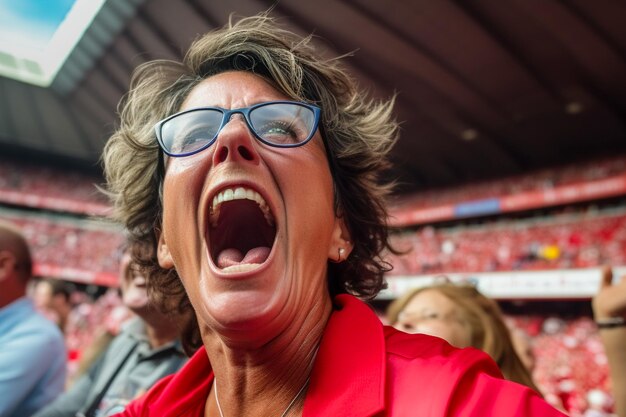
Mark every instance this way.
x=235 y=142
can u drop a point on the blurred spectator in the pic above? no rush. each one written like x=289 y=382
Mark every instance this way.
x=464 y=317
x=32 y=350
x=52 y=299
x=146 y=350
x=609 y=310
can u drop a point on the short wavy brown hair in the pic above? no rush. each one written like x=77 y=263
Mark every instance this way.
x=358 y=133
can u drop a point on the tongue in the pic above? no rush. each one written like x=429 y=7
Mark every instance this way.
x=231 y=256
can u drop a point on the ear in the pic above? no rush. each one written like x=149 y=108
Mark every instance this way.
x=341 y=244
x=7 y=264
x=163 y=253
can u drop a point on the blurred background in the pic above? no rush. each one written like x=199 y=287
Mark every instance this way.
x=511 y=163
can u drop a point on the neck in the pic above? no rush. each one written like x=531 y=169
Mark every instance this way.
x=264 y=381
x=287 y=410
x=11 y=291
x=160 y=332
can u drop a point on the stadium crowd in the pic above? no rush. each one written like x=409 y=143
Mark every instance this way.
x=560 y=241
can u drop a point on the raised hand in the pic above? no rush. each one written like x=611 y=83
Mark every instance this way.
x=610 y=301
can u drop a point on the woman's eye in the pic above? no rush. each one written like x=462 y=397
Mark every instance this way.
x=278 y=131
x=275 y=127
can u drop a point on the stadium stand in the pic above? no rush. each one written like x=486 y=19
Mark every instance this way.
x=25 y=184
x=568 y=240
x=544 y=179
x=80 y=250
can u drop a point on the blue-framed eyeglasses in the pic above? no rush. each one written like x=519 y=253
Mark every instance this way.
x=282 y=124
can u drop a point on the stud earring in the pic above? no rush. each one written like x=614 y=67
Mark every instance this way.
x=340 y=253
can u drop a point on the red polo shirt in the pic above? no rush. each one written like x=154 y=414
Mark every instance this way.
x=366 y=369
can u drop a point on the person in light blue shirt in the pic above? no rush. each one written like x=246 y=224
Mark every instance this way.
x=33 y=359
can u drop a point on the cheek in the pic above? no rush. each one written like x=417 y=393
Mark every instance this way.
x=452 y=333
x=309 y=185
x=182 y=189
x=435 y=328
x=182 y=186
x=183 y=175
x=461 y=335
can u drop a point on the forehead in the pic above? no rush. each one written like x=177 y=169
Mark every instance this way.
x=430 y=299
x=232 y=89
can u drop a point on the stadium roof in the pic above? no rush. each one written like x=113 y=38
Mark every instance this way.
x=485 y=88
x=37 y=37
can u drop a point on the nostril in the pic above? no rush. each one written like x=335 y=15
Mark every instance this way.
x=222 y=154
x=245 y=153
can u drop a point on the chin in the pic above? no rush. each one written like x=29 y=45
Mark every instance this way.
x=142 y=310
x=135 y=302
x=251 y=312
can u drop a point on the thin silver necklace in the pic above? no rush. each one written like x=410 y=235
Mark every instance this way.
x=219 y=408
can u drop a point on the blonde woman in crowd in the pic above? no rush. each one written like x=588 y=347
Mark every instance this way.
x=464 y=317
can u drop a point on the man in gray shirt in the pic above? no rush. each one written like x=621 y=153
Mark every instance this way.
x=146 y=350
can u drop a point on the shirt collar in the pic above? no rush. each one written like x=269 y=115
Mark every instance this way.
x=136 y=329
x=187 y=390
x=16 y=310
x=348 y=377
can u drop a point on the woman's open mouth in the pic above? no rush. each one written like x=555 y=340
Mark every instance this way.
x=241 y=229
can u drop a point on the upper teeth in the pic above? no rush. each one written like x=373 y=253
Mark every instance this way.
x=239 y=193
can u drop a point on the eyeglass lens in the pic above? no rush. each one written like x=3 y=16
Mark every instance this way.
x=279 y=124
